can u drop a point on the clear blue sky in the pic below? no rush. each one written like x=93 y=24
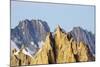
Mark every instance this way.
x=67 y=16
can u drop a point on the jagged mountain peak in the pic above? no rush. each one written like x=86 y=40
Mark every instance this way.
x=30 y=33
x=33 y=22
x=56 y=47
x=79 y=34
x=58 y=28
x=62 y=47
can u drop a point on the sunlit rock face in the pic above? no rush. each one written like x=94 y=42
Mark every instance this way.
x=63 y=47
x=83 y=52
x=19 y=58
x=69 y=50
x=45 y=55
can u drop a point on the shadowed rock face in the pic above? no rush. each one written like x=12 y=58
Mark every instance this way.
x=61 y=47
x=30 y=33
x=45 y=55
x=83 y=35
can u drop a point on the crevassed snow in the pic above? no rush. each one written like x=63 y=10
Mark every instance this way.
x=32 y=43
x=23 y=51
x=27 y=53
x=30 y=51
x=23 y=33
x=16 y=40
x=40 y=43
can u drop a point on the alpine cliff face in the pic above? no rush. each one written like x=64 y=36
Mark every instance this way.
x=46 y=54
x=88 y=38
x=57 y=47
x=20 y=57
x=30 y=33
x=68 y=50
x=63 y=49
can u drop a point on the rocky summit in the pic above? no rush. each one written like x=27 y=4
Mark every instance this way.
x=88 y=38
x=57 y=47
x=30 y=33
x=68 y=50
